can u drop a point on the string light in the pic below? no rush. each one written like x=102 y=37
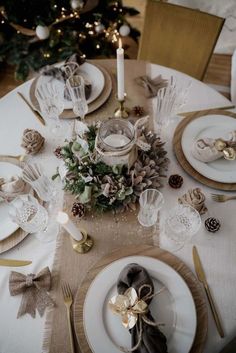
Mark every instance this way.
x=98 y=46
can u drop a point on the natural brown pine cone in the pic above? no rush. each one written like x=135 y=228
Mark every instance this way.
x=212 y=224
x=175 y=181
x=78 y=209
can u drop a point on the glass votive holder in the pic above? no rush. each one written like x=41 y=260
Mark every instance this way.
x=150 y=201
x=116 y=135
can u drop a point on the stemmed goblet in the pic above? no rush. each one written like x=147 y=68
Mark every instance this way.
x=50 y=96
x=76 y=87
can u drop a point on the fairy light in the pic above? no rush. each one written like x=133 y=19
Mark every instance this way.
x=59 y=31
x=98 y=46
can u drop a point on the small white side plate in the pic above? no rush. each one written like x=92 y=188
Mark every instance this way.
x=213 y=126
x=7 y=227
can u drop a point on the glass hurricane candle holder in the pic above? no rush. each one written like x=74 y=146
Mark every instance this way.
x=115 y=141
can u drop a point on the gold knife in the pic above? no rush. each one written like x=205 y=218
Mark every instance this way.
x=36 y=113
x=202 y=278
x=14 y=263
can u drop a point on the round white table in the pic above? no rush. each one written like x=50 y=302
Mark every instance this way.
x=218 y=252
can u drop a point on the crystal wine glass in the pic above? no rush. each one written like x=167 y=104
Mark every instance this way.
x=32 y=217
x=76 y=87
x=181 y=223
x=151 y=201
x=34 y=175
x=50 y=96
x=170 y=100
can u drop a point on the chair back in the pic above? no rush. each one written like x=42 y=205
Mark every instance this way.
x=179 y=37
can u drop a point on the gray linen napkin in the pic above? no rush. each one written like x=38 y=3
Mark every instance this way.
x=150 y=86
x=153 y=340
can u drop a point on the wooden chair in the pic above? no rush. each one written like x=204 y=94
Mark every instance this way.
x=179 y=37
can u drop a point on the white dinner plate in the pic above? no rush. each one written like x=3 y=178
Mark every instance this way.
x=89 y=72
x=7 y=227
x=174 y=306
x=213 y=126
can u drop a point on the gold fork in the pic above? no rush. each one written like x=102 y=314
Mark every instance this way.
x=222 y=198
x=68 y=300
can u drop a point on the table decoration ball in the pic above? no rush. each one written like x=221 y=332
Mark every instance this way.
x=212 y=224
x=99 y=28
x=124 y=30
x=42 y=32
x=138 y=110
x=175 y=181
x=78 y=210
x=77 y=4
x=32 y=141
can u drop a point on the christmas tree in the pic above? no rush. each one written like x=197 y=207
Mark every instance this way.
x=35 y=33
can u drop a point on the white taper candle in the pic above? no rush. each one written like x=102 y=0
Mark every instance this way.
x=69 y=226
x=120 y=72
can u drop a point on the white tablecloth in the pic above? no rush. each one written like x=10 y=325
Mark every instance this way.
x=218 y=252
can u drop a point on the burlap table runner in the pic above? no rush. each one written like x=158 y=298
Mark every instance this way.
x=109 y=231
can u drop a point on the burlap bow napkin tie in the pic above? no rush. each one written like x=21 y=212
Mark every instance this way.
x=150 y=86
x=34 y=289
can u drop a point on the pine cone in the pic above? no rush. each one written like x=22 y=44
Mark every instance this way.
x=78 y=209
x=212 y=224
x=57 y=152
x=175 y=181
x=138 y=110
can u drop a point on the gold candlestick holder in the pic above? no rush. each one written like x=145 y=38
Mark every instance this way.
x=84 y=245
x=121 y=111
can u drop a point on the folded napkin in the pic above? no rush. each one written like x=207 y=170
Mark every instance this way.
x=13 y=187
x=34 y=289
x=135 y=282
x=205 y=149
x=233 y=78
x=60 y=74
x=150 y=86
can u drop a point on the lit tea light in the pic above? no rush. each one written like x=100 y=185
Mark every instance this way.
x=64 y=220
x=116 y=140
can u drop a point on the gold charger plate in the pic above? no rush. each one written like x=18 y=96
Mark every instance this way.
x=15 y=238
x=162 y=255
x=181 y=157
x=97 y=103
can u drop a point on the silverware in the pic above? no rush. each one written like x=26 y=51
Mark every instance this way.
x=14 y=263
x=202 y=278
x=20 y=157
x=222 y=198
x=206 y=110
x=68 y=300
x=35 y=111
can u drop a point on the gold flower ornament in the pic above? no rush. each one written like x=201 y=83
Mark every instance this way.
x=128 y=306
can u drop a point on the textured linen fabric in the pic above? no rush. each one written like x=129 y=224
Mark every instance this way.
x=153 y=340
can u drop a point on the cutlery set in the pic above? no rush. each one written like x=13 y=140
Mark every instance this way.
x=14 y=263
x=202 y=278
